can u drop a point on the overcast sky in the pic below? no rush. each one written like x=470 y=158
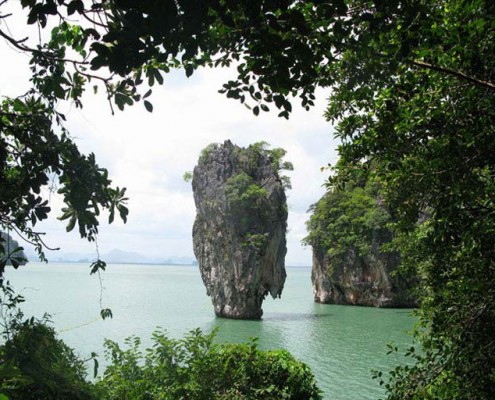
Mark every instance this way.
x=149 y=153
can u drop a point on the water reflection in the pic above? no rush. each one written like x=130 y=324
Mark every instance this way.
x=294 y=317
x=269 y=336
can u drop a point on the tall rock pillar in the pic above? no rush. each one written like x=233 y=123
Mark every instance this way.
x=239 y=231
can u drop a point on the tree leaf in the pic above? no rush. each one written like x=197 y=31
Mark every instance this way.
x=148 y=105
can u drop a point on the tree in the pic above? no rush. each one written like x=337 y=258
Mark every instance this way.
x=424 y=115
x=36 y=150
x=35 y=364
x=412 y=91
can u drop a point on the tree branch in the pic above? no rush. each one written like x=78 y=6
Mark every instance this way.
x=457 y=74
x=92 y=76
x=93 y=21
x=17 y=44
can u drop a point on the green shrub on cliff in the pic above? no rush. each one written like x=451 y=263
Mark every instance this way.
x=346 y=218
x=243 y=192
x=206 y=152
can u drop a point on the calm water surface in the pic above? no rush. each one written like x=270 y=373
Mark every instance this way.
x=341 y=344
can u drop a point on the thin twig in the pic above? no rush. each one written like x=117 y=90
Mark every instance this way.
x=99 y=274
x=104 y=80
x=93 y=21
x=36 y=234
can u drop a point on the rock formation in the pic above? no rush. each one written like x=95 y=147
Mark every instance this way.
x=361 y=280
x=347 y=231
x=239 y=231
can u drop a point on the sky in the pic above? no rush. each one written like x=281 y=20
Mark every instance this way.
x=148 y=154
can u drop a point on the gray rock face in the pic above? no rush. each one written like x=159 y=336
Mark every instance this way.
x=357 y=280
x=239 y=231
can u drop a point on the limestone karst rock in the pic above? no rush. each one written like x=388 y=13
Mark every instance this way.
x=348 y=231
x=361 y=280
x=239 y=231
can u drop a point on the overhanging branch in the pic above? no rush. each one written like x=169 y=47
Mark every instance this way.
x=457 y=74
x=18 y=44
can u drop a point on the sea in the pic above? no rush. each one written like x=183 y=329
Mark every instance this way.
x=341 y=344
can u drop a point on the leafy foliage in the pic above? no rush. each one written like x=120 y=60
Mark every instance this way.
x=255 y=240
x=242 y=192
x=37 y=154
x=205 y=153
x=257 y=151
x=195 y=368
x=37 y=365
x=32 y=155
x=187 y=176
x=345 y=219
x=12 y=253
x=424 y=115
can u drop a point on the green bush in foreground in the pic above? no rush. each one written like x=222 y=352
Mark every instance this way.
x=195 y=368
x=35 y=364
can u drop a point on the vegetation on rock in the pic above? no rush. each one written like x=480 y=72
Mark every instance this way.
x=247 y=196
x=354 y=260
x=345 y=219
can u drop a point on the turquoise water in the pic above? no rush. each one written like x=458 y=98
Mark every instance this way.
x=341 y=344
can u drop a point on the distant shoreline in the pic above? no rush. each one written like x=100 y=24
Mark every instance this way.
x=148 y=263
x=121 y=262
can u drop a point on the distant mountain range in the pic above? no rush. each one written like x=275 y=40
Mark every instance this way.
x=116 y=256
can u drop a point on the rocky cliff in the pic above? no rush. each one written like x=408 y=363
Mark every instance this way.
x=347 y=231
x=360 y=280
x=239 y=231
